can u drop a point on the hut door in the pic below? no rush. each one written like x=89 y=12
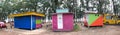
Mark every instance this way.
x=60 y=21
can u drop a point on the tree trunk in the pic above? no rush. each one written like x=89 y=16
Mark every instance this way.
x=47 y=14
x=87 y=6
x=35 y=7
x=99 y=8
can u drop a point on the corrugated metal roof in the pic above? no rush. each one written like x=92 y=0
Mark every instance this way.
x=26 y=14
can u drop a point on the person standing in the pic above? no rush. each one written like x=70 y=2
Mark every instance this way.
x=11 y=24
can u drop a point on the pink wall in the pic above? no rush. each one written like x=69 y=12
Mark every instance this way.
x=67 y=22
x=54 y=22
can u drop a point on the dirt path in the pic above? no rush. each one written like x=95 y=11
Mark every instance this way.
x=106 y=30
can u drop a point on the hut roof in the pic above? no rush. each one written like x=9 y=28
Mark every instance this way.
x=26 y=14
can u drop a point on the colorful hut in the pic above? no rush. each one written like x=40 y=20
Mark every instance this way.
x=28 y=20
x=93 y=19
x=62 y=21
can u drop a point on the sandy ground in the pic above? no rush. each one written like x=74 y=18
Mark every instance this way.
x=106 y=30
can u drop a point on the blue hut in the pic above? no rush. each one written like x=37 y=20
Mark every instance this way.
x=28 y=20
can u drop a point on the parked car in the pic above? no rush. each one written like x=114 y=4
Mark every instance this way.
x=3 y=25
x=111 y=19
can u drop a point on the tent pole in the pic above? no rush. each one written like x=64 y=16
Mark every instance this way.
x=31 y=22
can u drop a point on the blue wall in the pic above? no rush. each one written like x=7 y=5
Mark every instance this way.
x=24 y=22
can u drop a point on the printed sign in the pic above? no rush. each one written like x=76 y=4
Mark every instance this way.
x=60 y=21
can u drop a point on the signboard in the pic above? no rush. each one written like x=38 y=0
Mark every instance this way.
x=62 y=10
x=91 y=11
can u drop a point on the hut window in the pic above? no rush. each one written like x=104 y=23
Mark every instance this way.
x=96 y=14
x=109 y=17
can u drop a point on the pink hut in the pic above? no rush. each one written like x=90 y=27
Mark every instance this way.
x=62 y=22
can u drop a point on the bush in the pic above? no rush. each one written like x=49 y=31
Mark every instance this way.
x=76 y=27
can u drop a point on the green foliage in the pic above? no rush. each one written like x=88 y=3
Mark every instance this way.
x=32 y=5
x=76 y=27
